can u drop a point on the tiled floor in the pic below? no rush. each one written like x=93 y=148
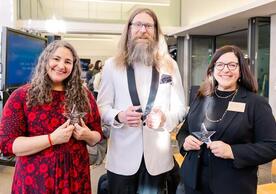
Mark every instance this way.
x=264 y=173
x=6 y=174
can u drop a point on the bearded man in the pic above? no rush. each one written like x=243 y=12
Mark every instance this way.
x=141 y=97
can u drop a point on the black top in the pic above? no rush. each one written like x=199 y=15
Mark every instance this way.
x=218 y=105
x=215 y=110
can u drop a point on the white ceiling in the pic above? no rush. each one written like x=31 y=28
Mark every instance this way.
x=228 y=22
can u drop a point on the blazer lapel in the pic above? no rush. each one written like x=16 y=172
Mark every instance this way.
x=230 y=115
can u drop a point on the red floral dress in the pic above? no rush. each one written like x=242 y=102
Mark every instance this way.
x=62 y=168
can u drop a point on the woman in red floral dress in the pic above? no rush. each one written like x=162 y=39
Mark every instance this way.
x=51 y=151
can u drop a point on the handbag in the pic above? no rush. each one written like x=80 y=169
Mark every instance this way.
x=97 y=152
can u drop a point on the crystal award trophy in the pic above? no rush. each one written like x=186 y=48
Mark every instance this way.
x=204 y=135
x=74 y=115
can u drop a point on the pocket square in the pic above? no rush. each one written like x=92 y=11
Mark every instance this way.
x=165 y=78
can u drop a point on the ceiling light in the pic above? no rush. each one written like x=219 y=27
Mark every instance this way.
x=55 y=26
x=136 y=2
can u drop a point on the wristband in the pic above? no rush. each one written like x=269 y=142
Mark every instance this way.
x=50 y=141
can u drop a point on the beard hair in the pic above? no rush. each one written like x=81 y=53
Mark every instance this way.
x=141 y=52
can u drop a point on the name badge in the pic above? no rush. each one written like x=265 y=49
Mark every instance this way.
x=236 y=106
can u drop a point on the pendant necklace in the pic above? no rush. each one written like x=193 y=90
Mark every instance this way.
x=218 y=120
x=224 y=96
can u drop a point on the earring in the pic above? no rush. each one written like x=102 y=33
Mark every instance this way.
x=239 y=80
x=211 y=78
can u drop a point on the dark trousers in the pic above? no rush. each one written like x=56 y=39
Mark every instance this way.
x=103 y=185
x=189 y=190
x=173 y=179
x=139 y=183
x=204 y=184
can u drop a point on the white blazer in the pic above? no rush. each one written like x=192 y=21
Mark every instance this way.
x=128 y=144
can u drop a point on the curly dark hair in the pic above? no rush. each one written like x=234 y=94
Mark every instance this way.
x=39 y=92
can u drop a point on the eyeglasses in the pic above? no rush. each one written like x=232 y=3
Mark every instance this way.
x=139 y=25
x=231 y=66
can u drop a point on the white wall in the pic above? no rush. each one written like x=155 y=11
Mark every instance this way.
x=272 y=77
x=7 y=13
x=194 y=11
x=95 y=49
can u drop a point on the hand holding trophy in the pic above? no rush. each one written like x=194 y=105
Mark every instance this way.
x=203 y=135
x=74 y=115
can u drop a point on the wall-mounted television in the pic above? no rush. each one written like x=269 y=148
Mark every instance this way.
x=84 y=64
x=20 y=52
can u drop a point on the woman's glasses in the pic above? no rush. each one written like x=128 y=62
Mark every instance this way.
x=232 y=66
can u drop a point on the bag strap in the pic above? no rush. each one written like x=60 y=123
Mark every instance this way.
x=133 y=89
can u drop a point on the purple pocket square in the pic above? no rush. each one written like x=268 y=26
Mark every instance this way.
x=165 y=78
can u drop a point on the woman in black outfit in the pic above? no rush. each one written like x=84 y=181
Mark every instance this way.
x=245 y=130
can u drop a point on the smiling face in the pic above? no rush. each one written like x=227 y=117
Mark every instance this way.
x=141 y=43
x=60 y=67
x=226 y=78
x=142 y=28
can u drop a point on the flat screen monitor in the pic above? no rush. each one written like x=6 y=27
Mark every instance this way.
x=20 y=53
x=84 y=64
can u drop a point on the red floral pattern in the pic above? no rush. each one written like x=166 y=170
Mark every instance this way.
x=61 y=168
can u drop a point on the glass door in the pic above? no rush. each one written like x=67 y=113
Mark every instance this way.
x=259 y=52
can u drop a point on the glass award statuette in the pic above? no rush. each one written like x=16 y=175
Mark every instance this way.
x=203 y=135
x=74 y=115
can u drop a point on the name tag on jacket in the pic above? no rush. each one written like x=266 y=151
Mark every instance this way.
x=236 y=106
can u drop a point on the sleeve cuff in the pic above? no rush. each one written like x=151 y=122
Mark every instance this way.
x=116 y=124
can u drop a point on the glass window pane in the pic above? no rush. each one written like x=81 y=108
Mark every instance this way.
x=235 y=38
x=262 y=62
x=201 y=55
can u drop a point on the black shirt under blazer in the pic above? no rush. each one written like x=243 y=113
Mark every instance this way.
x=251 y=135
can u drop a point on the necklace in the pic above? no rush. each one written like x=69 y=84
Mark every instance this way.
x=218 y=120
x=224 y=96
